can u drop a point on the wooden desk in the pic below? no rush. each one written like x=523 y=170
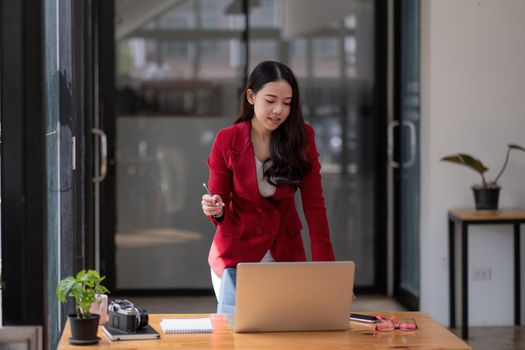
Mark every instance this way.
x=429 y=335
x=467 y=217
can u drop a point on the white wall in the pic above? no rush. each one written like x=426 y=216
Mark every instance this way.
x=473 y=100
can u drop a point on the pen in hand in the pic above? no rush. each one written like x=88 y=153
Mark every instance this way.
x=209 y=192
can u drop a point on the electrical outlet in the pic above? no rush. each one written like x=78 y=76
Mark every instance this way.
x=481 y=274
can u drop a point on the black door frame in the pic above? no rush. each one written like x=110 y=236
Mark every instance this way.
x=403 y=296
x=380 y=125
x=24 y=188
x=105 y=81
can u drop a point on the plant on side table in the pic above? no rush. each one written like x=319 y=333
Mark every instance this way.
x=83 y=289
x=486 y=194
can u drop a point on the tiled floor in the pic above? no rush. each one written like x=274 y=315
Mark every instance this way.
x=495 y=338
x=481 y=338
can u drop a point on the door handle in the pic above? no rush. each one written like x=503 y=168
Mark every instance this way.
x=412 y=132
x=103 y=170
x=412 y=128
x=391 y=126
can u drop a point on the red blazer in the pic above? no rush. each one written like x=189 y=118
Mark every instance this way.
x=252 y=224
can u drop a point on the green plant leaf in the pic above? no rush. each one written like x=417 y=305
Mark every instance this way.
x=466 y=160
x=510 y=146
x=515 y=146
x=83 y=289
x=64 y=287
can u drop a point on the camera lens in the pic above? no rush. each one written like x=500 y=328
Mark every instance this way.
x=142 y=318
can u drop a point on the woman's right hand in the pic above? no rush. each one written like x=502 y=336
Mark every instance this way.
x=212 y=205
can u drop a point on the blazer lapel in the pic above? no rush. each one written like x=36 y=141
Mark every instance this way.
x=243 y=162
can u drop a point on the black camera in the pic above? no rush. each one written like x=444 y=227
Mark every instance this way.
x=124 y=316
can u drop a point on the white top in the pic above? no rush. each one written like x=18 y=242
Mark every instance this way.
x=217 y=281
x=265 y=188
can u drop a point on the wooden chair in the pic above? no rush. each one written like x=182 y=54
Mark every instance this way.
x=21 y=337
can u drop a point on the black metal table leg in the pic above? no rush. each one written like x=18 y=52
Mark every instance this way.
x=464 y=280
x=452 y=273
x=517 y=275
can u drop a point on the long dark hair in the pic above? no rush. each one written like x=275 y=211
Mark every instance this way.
x=289 y=162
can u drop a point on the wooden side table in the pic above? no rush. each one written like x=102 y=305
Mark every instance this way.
x=466 y=217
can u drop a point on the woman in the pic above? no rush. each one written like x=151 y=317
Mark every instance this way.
x=256 y=165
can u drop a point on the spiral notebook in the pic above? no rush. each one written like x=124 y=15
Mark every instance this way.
x=186 y=325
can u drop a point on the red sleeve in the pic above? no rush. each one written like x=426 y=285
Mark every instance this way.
x=314 y=205
x=220 y=178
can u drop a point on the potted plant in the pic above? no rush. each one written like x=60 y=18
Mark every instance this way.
x=83 y=288
x=486 y=194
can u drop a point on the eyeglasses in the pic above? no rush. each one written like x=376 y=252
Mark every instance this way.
x=388 y=324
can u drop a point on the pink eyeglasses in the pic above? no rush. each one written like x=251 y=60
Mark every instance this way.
x=388 y=324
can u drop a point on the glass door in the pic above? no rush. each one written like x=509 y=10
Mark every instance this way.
x=333 y=59
x=180 y=69
x=179 y=73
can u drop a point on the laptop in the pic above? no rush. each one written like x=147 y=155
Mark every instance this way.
x=293 y=296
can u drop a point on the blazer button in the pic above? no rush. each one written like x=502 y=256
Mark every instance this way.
x=259 y=210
